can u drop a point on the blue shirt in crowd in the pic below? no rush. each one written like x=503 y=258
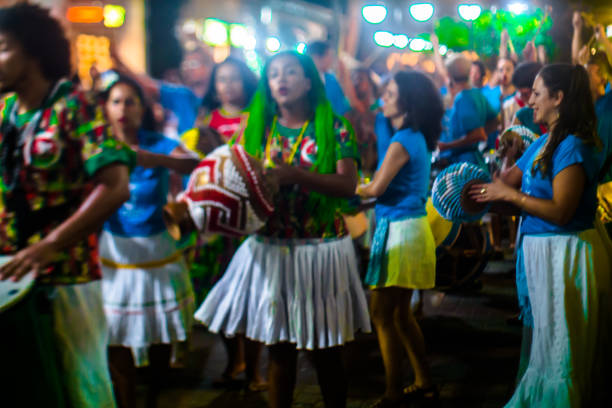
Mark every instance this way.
x=525 y=116
x=470 y=111
x=406 y=195
x=569 y=152
x=182 y=102
x=141 y=215
x=493 y=96
x=334 y=93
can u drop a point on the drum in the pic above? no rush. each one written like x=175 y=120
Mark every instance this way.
x=227 y=194
x=516 y=132
x=450 y=192
x=12 y=292
x=31 y=372
x=462 y=250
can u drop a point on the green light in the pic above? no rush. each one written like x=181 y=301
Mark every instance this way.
x=469 y=12
x=215 y=32
x=374 y=14
x=114 y=16
x=384 y=38
x=421 y=11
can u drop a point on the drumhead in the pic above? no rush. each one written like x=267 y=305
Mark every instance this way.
x=12 y=292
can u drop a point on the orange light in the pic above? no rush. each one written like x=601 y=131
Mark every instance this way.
x=429 y=66
x=85 y=14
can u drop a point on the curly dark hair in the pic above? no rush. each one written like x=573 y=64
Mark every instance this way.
x=41 y=37
x=576 y=111
x=249 y=84
x=420 y=99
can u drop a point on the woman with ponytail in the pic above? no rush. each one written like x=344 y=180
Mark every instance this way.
x=566 y=264
x=294 y=285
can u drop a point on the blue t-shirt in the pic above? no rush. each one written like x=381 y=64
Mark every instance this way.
x=603 y=110
x=493 y=96
x=470 y=111
x=141 y=215
x=525 y=116
x=406 y=195
x=183 y=103
x=569 y=152
x=334 y=93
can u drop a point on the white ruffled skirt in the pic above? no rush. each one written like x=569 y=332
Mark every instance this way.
x=568 y=278
x=305 y=292
x=148 y=298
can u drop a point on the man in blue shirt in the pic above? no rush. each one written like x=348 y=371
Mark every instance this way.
x=323 y=57
x=471 y=117
x=504 y=88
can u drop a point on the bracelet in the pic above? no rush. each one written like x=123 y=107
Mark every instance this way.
x=359 y=190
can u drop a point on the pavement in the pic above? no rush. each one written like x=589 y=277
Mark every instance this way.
x=473 y=352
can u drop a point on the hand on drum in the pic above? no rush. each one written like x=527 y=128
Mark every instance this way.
x=31 y=259
x=281 y=172
x=495 y=191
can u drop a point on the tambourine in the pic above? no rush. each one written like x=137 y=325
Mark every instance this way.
x=450 y=192
x=227 y=194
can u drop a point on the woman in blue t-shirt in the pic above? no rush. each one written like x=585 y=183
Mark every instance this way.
x=148 y=299
x=564 y=257
x=403 y=252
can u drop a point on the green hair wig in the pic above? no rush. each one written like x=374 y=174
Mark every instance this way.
x=261 y=112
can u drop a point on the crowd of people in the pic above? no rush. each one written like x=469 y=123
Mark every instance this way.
x=86 y=174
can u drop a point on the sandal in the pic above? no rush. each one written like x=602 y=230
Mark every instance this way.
x=385 y=402
x=257 y=386
x=415 y=392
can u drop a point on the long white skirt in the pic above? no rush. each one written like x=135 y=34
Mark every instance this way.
x=305 y=292
x=80 y=333
x=568 y=277
x=148 y=298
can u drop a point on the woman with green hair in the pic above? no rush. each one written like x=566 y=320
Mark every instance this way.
x=295 y=285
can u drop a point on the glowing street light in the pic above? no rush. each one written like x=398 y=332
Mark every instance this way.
x=384 y=38
x=215 y=32
x=273 y=44
x=374 y=14
x=517 y=8
x=443 y=49
x=469 y=12
x=238 y=35
x=301 y=47
x=421 y=11
x=419 y=44
x=400 y=41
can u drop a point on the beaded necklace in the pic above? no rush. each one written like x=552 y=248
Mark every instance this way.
x=272 y=135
